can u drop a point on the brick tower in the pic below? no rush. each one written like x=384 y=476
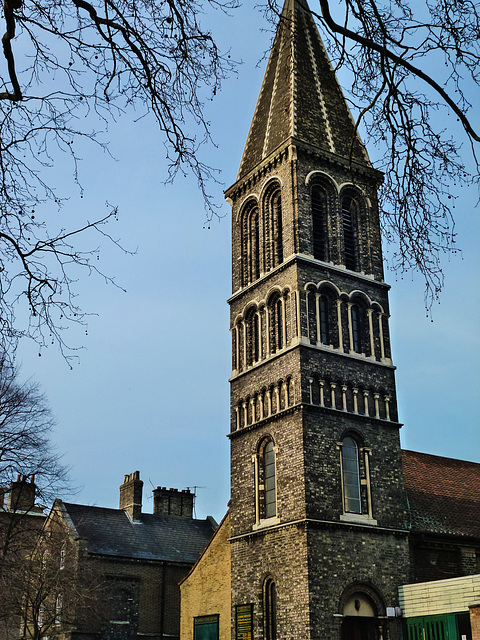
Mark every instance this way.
x=318 y=511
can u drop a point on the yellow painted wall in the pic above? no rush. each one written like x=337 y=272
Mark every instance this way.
x=206 y=590
x=440 y=596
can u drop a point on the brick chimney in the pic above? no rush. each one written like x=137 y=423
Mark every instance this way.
x=131 y=495
x=22 y=494
x=172 y=502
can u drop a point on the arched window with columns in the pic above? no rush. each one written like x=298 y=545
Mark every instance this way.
x=319 y=202
x=355 y=478
x=273 y=226
x=352 y=502
x=253 y=336
x=251 y=255
x=350 y=214
x=276 y=319
x=265 y=480
x=324 y=320
x=356 y=329
x=360 y=326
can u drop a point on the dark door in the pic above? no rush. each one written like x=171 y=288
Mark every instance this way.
x=359 y=629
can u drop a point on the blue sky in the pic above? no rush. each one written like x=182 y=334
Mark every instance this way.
x=151 y=389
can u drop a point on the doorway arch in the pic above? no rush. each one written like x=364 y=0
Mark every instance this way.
x=361 y=606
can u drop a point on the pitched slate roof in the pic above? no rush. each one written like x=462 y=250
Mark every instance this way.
x=110 y=532
x=299 y=81
x=444 y=494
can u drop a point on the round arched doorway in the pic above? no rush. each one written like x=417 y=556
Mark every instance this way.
x=360 y=617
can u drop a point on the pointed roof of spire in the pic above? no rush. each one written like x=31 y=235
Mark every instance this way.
x=300 y=96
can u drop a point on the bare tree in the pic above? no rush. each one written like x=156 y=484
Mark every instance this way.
x=30 y=472
x=43 y=591
x=25 y=429
x=414 y=72
x=80 y=58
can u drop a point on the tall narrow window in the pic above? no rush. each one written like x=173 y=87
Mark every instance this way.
x=270 y=608
x=256 y=338
x=253 y=337
x=254 y=246
x=269 y=479
x=251 y=253
x=350 y=232
x=351 y=476
x=356 y=329
x=319 y=222
x=277 y=229
x=324 y=328
x=279 y=324
x=234 y=348
x=312 y=316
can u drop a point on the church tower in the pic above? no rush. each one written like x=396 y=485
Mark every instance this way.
x=319 y=520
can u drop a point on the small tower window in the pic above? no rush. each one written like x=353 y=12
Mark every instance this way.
x=350 y=232
x=270 y=609
x=351 y=476
x=319 y=223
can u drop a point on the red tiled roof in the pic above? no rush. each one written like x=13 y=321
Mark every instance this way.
x=443 y=493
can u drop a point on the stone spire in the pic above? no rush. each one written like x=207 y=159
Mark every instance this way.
x=300 y=98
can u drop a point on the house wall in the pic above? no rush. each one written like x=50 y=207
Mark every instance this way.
x=150 y=604
x=206 y=590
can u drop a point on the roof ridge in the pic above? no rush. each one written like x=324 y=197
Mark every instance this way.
x=434 y=455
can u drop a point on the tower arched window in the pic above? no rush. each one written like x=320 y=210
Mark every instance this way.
x=276 y=319
x=256 y=338
x=319 y=222
x=324 y=320
x=352 y=502
x=270 y=482
x=254 y=239
x=273 y=226
x=270 y=609
x=251 y=254
x=350 y=232
x=279 y=323
x=253 y=337
x=277 y=245
x=356 y=329
x=234 y=348
x=265 y=481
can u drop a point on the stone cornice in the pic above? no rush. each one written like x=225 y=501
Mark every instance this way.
x=327 y=524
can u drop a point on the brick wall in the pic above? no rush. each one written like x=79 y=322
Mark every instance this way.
x=475 y=621
x=206 y=590
x=154 y=596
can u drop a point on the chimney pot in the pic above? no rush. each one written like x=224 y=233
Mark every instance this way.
x=22 y=494
x=172 y=502
x=131 y=495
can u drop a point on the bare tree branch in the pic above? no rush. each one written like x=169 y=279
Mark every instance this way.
x=410 y=70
